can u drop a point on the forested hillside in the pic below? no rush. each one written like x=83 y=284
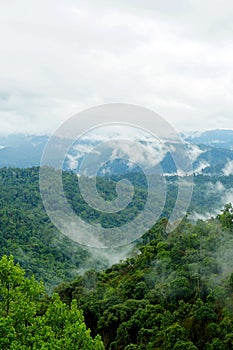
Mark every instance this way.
x=175 y=292
x=29 y=319
x=28 y=234
x=116 y=175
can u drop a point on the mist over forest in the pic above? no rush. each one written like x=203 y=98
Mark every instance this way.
x=164 y=290
x=116 y=175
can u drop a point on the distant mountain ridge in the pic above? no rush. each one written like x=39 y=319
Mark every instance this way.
x=216 y=146
x=211 y=153
x=219 y=138
x=21 y=150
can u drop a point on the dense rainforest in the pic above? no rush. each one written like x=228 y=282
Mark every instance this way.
x=31 y=320
x=28 y=234
x=173 y=291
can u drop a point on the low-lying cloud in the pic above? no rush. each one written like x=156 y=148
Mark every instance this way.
x=228 y=169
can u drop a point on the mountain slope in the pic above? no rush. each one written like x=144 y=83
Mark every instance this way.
x=219 y=138
x=174 y=292
x=211 y=152
x=28 y=234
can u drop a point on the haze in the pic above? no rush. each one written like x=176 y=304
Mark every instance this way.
x=60 y=57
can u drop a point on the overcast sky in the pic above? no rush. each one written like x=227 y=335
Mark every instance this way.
x=60 y=57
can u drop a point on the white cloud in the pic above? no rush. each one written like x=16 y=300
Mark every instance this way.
x=206 y=216
x=228 y=197
x=118 y=141
x=194 y=151
x=228 y=169
x=72 y=161
x=147 y=156
x=201 y=166
x=217 y=187
x=57 y=58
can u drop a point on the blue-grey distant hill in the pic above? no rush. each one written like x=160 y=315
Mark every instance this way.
x=211 y=153
x=19 y=150
x=219 y=138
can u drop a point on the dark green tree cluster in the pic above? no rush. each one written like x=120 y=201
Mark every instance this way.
x=30 y=320
x=175 y=292
x=27 y=233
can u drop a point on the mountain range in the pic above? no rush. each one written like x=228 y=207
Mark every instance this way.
x=211 y=153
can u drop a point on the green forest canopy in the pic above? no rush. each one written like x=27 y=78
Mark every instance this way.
x=28 y=234
x=174 y=291
x=30 y=320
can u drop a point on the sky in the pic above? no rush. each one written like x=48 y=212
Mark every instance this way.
x=174 y=57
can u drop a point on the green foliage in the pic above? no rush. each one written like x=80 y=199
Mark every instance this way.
x=27 y=233
x=174 y=292
x=28 y=321
x=226 y=218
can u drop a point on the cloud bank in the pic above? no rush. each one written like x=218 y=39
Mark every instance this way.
x=59 y=57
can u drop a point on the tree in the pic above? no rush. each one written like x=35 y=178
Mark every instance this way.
x=30 y=321
x=226 y=218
